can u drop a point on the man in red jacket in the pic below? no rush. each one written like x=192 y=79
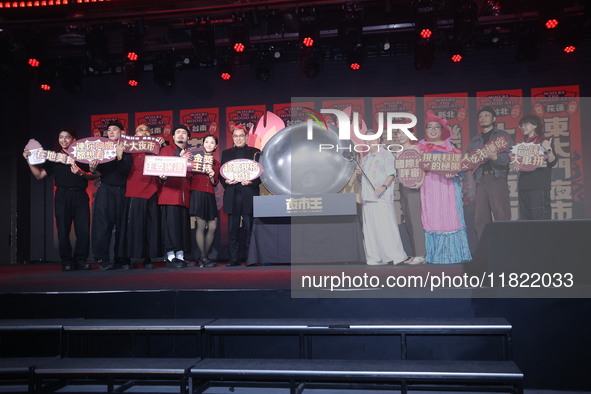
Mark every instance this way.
x=174 y=197
x=140 y=230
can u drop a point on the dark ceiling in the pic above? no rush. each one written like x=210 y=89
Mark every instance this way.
x=166 y=26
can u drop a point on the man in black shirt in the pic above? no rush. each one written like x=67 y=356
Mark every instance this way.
x=70 y=202
x=110 y=201
x=492 y=189
x=238 y=196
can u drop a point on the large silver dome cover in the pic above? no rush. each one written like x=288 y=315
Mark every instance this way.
x=295 y=165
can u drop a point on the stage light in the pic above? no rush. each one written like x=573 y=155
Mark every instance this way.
x=35 y=48
x=465 y=22
x=133 y=41
x=225 y=68
x=528 y=46
x=133 y=73
x=551 y=23
x=569 y=49
x=426 y=33
x=46 y=76
x=424 y=54
x=308 y=31
x=97 y=49
x=203 y=40
x=550 y=13
x=239 y=35
x=355 y=57
x=312 y=62
x=263 y=64
x=164 y=69
x=71 y=75
x=456 y=58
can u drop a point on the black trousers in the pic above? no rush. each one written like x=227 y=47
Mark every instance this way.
x=107 y=217
x=234 y=227
x=71 y=206
x=535 y=205
x=176 y=232
x=140 y=228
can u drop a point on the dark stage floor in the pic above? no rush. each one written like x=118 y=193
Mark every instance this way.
x=48 y=277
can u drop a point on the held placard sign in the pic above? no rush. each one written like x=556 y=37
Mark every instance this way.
x=165 y=166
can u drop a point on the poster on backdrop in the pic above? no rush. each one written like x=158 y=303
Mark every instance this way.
x=98 y=123
x=201 y=122
x=159 y=122
x=559 y=108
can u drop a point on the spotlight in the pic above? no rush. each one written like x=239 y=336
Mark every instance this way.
x=351 y=27
x=569 y=49
x=239 y=35
x=528 y=47
x=71 y=75
x=456 y=51
x=550 y=13
x=465 y=22
x=133 y=73
x=355 y=57
x=312 y=62
x=97 y=50
x=308 y=29
x=424 y=54
x=134 y=41
x=164 y=69
x=456 y=58
x=263 y=65
x=203 y=40
x=225 y=68
x=47 y=76
x=571 y=33
x=35 y=48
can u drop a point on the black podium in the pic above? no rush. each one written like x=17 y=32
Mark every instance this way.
x=306 y=229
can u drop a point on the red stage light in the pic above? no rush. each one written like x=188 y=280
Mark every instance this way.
x=226 y=76
x=308 y=41
x=133 y=82
x=569 y=49
x=132 y=56
x=355 y=66
x=33 y=62
x=551 y=23
x=426 y=33
x=456 y=58
x=45 y=86
x=239 y=47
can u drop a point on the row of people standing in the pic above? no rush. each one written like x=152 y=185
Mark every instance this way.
x=433 y=208
x=144 y=216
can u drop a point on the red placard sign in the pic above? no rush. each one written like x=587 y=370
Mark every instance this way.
x=94 y=148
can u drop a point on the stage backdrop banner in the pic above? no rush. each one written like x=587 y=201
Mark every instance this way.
x=454 y=108
x=98 y=123
x=246 y=115
x=508 y=105
x=559 y=108
x=395 y=104
x=159 y=122
x=293 y=113
x=347 y=105
x=201 y=122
